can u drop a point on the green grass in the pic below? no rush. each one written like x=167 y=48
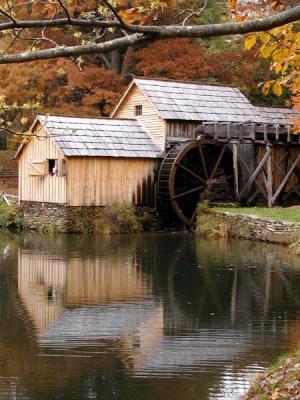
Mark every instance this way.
x=291 y=214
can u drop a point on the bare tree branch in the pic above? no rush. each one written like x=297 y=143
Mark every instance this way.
x=7 y=16
x=75 y=51
x=140 y=34
x=58 y=23
x=65 y=9
x=194 y=13
x=114 y=12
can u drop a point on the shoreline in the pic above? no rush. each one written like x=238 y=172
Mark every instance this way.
x=216 y=223
x=280 y=381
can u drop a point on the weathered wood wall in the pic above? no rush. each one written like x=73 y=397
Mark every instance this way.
x=282 y=159
x=182 y=129
x=150 y=118
x=105 y=181
x=43 y=188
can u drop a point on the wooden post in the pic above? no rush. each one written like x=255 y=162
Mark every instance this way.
x=269 y=175
x=235 y=168
x=254 y=175
x=286 y=178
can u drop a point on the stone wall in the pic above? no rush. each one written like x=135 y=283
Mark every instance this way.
x=211 y=223
x=66 y=219
x=264 y=229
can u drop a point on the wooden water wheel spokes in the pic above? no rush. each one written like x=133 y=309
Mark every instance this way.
x=190 y=172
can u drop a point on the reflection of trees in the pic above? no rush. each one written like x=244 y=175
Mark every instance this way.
x=257 y=282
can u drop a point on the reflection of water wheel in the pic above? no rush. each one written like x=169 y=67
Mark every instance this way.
x=192 y=171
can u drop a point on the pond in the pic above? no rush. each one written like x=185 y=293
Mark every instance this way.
x=162 y=316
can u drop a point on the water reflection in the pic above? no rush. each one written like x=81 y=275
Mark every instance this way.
x=158 y=316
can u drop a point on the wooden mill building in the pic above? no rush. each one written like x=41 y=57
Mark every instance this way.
x=167 y=144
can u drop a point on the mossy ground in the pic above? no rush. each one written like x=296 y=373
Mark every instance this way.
x=290 y=214
x=210 y=224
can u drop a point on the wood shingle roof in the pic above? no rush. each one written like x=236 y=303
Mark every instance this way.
x=104 y=137
x=204 y=102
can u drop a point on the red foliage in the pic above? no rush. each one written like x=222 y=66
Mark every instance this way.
x=184 y=59
x=174 y=59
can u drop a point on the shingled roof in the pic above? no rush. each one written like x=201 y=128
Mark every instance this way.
x=204 y=102
x=279 y=115
x=103 y=137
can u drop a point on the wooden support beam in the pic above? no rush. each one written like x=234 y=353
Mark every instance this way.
x=285 y=180
x=265 y=132
x=218 y=162
x=235 y=168
x=254 y=175
x=269 y=176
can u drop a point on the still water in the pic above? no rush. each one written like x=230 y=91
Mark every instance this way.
x=152 y=317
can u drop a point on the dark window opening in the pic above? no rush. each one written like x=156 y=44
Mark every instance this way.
x=138 y=110
x=52 y=166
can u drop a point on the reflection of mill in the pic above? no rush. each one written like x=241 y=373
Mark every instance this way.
x=89 y=299
x=111 y=297
x=143 y=308
x=48 y=284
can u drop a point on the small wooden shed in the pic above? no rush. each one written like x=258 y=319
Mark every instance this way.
x=87 y=162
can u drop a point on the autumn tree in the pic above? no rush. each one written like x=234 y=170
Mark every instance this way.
x=51 y=29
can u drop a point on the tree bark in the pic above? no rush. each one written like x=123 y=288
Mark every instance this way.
x=138 y=34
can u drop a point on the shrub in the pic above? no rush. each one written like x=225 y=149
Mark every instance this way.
x=11 y=216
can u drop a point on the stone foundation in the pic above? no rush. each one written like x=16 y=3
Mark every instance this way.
x=265 y=229
x=67 y=219
x=226 y=224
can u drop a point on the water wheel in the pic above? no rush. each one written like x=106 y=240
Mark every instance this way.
x=193 y=171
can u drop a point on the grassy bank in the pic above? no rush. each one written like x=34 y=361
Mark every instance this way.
x=277 y=225
x=291 y=214
x=280 y=381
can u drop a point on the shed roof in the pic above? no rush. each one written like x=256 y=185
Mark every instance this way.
x=104 y=137
x=204 y=102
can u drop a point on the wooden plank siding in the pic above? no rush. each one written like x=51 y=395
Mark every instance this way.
x=45 y=188
x=182 y=129
x=150 y=119
x=104 y=181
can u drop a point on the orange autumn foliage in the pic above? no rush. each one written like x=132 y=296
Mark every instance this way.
x=61 y=88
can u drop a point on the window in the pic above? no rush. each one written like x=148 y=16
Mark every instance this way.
x=57 y=167
x=138 y=110
x=52 y=166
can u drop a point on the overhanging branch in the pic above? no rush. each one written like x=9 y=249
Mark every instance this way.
x=139 y=34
